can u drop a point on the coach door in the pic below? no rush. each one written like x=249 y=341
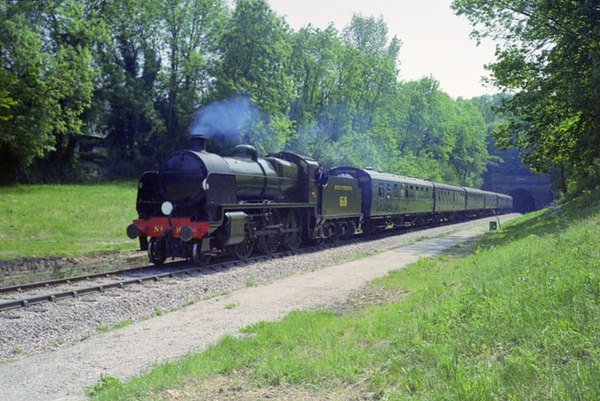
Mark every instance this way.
x=381 y=197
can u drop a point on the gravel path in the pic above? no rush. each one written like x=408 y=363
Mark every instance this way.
x=68 y=353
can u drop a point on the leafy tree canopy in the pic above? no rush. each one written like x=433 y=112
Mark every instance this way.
x=135 y=77
x=46 y=78
x=548 y=58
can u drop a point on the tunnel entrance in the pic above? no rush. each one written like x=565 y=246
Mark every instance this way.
x=523 y=201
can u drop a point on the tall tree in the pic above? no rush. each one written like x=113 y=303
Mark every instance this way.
x=157 y=69
x=191 y=30
x=315 y=57
x=46 y=76
x=377 y=60
x=549 y=57
x=256 y=63
x=126 y=94
x=346 y=82
x=470 y=157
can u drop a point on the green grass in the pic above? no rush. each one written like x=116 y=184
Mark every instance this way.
x=65 y=220
x=116 y=326
x=517 y=320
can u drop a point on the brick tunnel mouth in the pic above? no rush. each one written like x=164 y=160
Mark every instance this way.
x=524 y=201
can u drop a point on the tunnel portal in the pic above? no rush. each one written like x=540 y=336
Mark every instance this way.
x=530 y=192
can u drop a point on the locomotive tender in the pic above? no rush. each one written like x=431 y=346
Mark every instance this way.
x=199 y=204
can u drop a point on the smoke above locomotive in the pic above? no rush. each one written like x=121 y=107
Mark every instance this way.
x=183 y=174
x=226 y=118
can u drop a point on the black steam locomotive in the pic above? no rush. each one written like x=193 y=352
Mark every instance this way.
x=199 y=204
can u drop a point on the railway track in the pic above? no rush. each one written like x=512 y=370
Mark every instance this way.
x=53 y=290
x=68 y=280
x=136 y=276
x=20 y=299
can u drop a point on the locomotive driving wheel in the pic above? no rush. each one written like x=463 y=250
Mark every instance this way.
x=198 y=258
x=244 y=249
x=156 y=251
x=292 y=231
x=268 y=244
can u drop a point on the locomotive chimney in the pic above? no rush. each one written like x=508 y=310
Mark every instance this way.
x=198 y=143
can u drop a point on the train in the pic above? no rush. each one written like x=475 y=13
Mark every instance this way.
x=198 y=204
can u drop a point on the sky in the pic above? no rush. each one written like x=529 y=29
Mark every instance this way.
x=435 y=42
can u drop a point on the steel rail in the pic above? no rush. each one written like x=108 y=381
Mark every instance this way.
x=53 y=297
x=69 y=280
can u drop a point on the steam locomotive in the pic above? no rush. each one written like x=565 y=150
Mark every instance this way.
x=199 y=204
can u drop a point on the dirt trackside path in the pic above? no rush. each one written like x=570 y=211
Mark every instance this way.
x=63 y=374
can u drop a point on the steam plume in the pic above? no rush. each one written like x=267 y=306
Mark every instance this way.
x=226 y=118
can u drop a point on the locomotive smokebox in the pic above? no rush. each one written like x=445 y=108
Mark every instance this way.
x=198 y=143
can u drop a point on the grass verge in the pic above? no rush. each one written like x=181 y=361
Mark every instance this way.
x=65 y=220
x=517 y=320
x=116 y=326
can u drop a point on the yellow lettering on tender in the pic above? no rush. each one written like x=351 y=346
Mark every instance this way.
x=347 y=188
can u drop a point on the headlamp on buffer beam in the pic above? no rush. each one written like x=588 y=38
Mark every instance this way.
x=166 y=208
